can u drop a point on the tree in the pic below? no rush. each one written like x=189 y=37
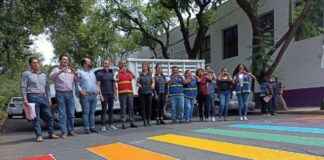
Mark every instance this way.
x=261 y=57
x=192 y=14
x=150 y=19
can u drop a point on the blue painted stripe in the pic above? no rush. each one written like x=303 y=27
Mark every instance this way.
x=280 y=128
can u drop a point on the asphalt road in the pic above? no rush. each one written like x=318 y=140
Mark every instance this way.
x=281 y=137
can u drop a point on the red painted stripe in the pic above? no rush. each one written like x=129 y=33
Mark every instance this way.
x=40 y=157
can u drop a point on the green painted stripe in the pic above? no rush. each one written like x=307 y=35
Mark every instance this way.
x=290 y=139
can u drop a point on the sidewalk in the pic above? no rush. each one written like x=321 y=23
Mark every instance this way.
x=303 y=110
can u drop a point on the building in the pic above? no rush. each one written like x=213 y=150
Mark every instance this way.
x=229 y=42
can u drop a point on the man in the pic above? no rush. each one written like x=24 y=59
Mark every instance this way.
x=108 y=87
x=64 y=78
x=35 y=90
x=87 y=87
x=176 y=95
x=125 y=92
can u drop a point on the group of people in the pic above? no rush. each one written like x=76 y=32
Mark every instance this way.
x=183 y=91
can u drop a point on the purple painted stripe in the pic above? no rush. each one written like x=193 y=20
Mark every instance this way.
x=304 y=97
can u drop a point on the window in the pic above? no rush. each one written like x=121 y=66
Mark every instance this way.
x=267 y=25
x=313 y=24
x=205 y=50
x=230 y=42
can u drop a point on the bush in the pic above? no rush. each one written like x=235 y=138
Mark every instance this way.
x=3 y=101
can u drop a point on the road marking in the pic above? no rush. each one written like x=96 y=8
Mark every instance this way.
x=41 y=157
x=230 y=149
x=308 y=141
x=280 y=128
x=120 y=151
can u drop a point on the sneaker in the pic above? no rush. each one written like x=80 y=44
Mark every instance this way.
x=39 y=139
x=53 y=136
x=103 y=129
x=213 y=119
x=63 y=136
x=87 y=131
x=93 y=130
x=245 y=118
x=241 y=118
x=112 y=127
x=133 y=125
x=123 y=126
x=72 y=134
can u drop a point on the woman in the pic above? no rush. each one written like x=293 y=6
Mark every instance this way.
x=160 y=93
x=202 y=92
x=211 y=90
x=243 y=84
x=146 y=87
x=190 y=93
x=224 y=82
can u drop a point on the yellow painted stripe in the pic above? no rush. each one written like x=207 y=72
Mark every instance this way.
x=120 y=151
x=230 y=149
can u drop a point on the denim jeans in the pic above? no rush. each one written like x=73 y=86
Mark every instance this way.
x=66 y=110
x=242 y=100
x=43 y=112
x=126 y=103
x=224 y=98
x=210 y=106
x=89 y=104
x=188 y=108
x=177 y=107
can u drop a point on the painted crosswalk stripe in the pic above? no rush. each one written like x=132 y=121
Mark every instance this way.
x=40 y=157
x=120 y=151
x=230 y=149
x=280 y=128
x=308 y=141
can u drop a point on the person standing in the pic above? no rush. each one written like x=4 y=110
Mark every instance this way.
x=88 y=89
x=125 y=93
x=160 y=93
x=65 y=80
x=224 y=82
x=176 y=95
x=243 y=85
x=190 y=93
x=146 y=87
x=108 y=86
x=202 y=92
x=211 y=90
x=266 y=95
x=35 y=89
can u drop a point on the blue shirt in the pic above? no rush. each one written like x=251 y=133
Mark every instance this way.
x=176 y=85
x=190 y=89
x=87 y=81
x=243 y=83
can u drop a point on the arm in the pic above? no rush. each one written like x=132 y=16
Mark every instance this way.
x=24 y=85
x=78 y=84
x=55 y=73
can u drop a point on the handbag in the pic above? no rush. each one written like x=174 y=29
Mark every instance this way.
x=267 y=98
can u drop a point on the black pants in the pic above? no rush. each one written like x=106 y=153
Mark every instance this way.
x=146 y=105
x=266 y=107
x=160 y=106
x=202 y=104
x=107 y=104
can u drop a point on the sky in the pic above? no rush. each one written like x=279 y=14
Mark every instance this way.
x=42 y=45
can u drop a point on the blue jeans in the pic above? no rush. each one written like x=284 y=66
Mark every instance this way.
x=242 y=100
x=224 y=98
x=89 y=104
x=177 y=107
x=210 y=106
x=66 y=110
x=43 y=112
x=188 y=108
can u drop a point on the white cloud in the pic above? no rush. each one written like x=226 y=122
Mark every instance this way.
x=42 y=45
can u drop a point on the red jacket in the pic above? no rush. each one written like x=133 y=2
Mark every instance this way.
x=125 y=82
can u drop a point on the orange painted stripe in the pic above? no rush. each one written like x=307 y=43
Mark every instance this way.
x=120 y=151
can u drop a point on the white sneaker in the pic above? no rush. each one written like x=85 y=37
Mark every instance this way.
x=245 y=118
x=103 y=129
x=214 y=119
x=113 y=127
x=241 y=118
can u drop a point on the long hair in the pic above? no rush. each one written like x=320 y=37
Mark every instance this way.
x=199 y=70
x=156 y=67
x=237 y=69
x=148 y=67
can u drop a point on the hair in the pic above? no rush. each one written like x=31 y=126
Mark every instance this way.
x=237 y=69
x=198 y=70
x=64 y=55
x=148 y=67
x=187 y=71
x=83 y=61
x=30 y=60
x=121 y=63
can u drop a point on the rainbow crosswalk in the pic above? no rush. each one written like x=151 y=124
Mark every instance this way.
x=120 y=151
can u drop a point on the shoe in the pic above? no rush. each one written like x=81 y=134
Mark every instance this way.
x=133 y=125
x=112 y=127
x=148 y=123
x=93 y=130
x=63 y=136
x=225 y=119
x=103 y=129
x=123 y=126
x=72 y=134
x=162 y=122
x=214 y=119
x=39 y=139
x=158 y=122
x=53 y=136
x=241 y=118
x=87 y=131
x=245 y=118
